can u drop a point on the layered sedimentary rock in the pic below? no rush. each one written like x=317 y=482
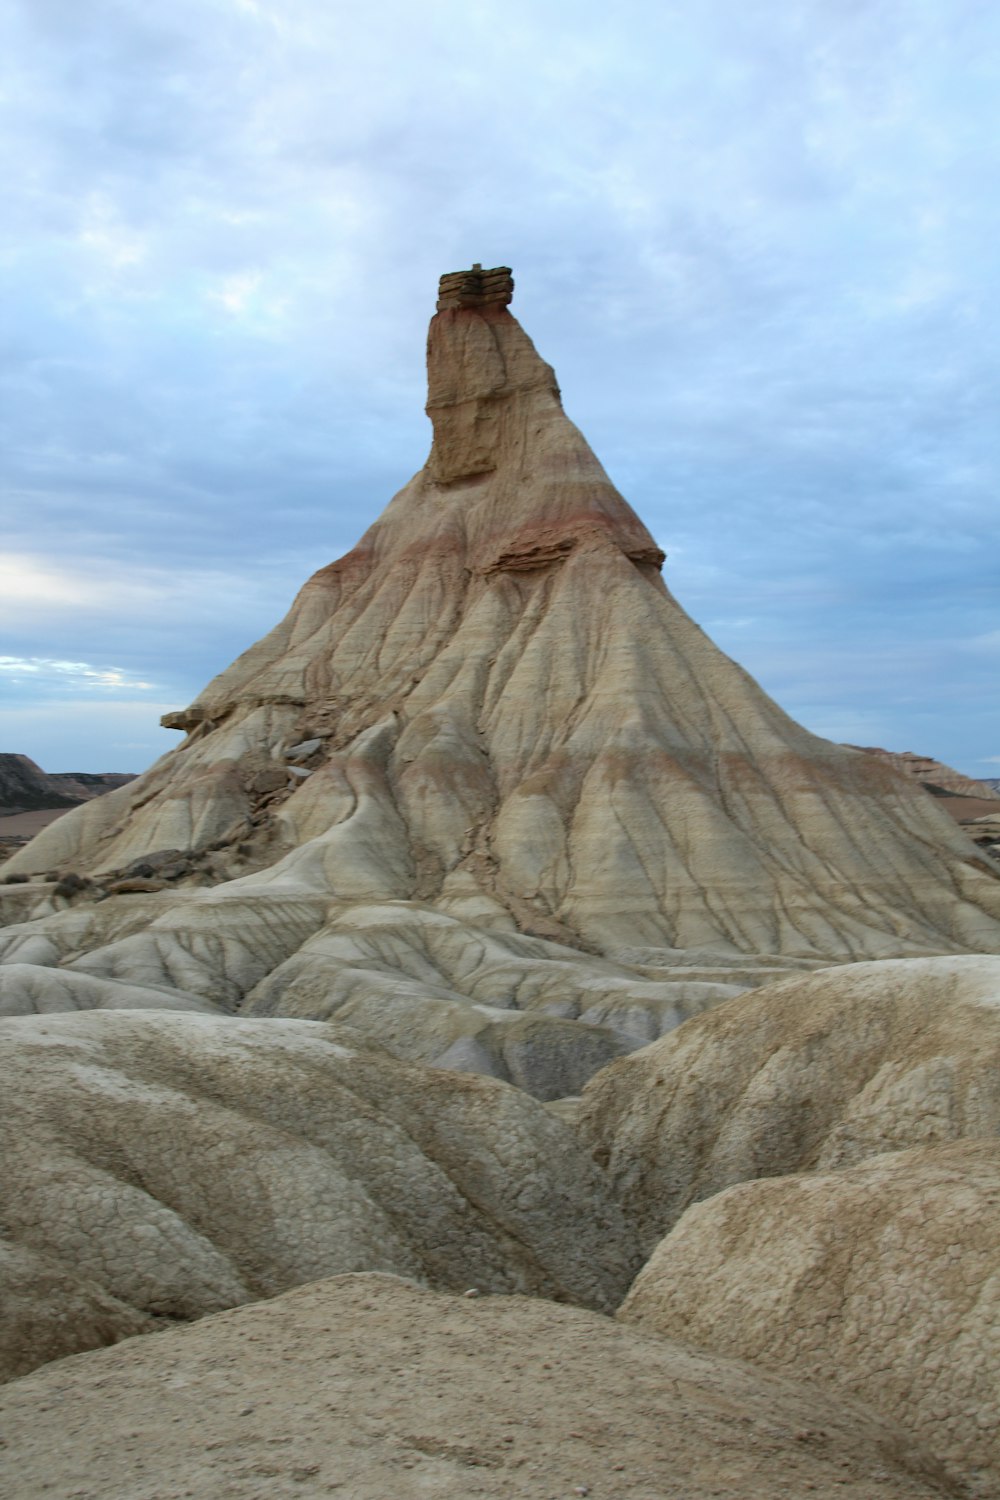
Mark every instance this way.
x=808 y=1074
x=369 y=1387
x=934 y=775
x=163 y=1166
x=882 y=1279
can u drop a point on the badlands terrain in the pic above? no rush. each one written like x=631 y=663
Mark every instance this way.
x=498 y=1051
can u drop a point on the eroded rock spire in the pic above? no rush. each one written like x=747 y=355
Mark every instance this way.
x=512 y=724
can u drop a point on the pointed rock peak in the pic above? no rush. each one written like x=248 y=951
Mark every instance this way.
x=499 y=424
x=478 y=359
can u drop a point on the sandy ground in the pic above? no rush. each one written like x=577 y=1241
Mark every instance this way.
x=967 y=809
x=369 y=1388
x=27 y=824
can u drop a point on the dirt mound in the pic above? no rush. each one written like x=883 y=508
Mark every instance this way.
x=883 y=1279
x=368 y=1387
x=815 y=1072
x=161 y=1166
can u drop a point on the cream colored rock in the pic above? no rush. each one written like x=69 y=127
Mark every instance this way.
x=27 y=990
x=433 y=988
x=60 y=936
x=179 y=1164
x=815 y=1072
x=369 y=1387
x=882 y=1279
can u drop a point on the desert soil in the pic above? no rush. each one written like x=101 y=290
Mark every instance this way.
x=27 y=824
x=369 y=1388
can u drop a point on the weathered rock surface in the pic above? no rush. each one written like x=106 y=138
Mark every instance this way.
x=161 y=1166
x=811 y=1073
x=369 y=1387
x=433 y=988
x=883 y=1279
x=27 y=990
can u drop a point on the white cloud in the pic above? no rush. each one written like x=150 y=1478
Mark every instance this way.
x=38 y=671
x=711 y=212
x=115 y=244
x=236 y=291
x=32 y=582
x=39 y=590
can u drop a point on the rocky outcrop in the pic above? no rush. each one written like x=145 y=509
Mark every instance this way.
x=882 y=1280
x=27 y=990
x=161 y=1166
x=809 y=1074
x=934 y=774
x=370 y=1387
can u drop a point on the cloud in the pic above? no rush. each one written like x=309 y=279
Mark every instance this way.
x=38 y=672
x=987 y=644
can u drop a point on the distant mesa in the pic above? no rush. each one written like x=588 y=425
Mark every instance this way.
x=941 y=780
x=25 y=787
x=31 y=799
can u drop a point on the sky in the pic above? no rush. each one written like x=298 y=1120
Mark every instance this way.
x=757 y=242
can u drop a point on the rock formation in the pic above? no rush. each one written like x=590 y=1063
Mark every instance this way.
x=495 y=707
x=883 y=1280
x=809 y=1074
x=934 y=774
x=369 y=1387
x=161 y=1166
x=487 y=799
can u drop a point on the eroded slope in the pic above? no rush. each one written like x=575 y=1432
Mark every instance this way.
x=163 y=1166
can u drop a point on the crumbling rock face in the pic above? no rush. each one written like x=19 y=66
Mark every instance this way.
x=161 y=1166
x=812 y=1073
x=883 y=1280
x=432 y=988
x=371 y=1387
